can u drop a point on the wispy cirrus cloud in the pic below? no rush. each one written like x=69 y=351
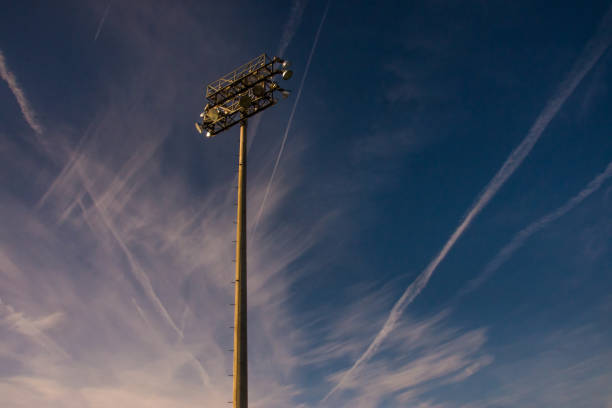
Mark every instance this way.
x=142 y=251
x=33 y=329
x=146 y=270
x=427 y=358
x=591 y=53
x=126 y=263
x=137 y=259
x=423 y=355
x=26 y=110
x=291 y=25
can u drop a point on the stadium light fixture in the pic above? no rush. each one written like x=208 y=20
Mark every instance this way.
x=232 y=99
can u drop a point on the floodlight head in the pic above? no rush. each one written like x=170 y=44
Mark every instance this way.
x=213 y=114
x=242 y=93
x=245 y=101
x=287 y=74
x=259 y=90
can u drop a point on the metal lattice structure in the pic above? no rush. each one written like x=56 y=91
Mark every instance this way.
x=240 y=94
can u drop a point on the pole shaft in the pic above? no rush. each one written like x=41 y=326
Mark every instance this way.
x=240 y=308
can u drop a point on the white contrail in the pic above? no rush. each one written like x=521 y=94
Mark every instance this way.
x=519 y=239
x=26 y=110
x=74 y=156
x=102 y=21
x=589 y=56
x=253 y=126
x=295 y=104
x=32 y=329
x=291 y=26
x=137 y=272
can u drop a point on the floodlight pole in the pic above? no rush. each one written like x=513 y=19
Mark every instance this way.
x=240 y=387
x=244 y=92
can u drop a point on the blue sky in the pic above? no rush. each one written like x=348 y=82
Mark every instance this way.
x=438 y=231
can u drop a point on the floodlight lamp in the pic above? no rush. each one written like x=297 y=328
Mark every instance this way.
x=199 y=128
x=285 y=93
x=286 y=64
x=244 y=102
x=259 y=90
x=213 y=114
x=208 y=134
x=287 y=74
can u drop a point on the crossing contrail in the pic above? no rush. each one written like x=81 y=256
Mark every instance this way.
x=593 y=50
x=137 y=272
x=24 y=105
x=295 y=104
x=519 y=239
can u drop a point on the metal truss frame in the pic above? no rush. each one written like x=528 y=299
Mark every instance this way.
x=224 y=94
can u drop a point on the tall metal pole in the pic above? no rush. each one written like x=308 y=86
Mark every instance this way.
x=240 y=311
x=244 y=92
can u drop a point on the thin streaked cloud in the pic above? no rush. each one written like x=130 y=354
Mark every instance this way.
x=591 y=53
x=26 y=110
x=102 y=20
x=116 y=242
x=523 y=235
